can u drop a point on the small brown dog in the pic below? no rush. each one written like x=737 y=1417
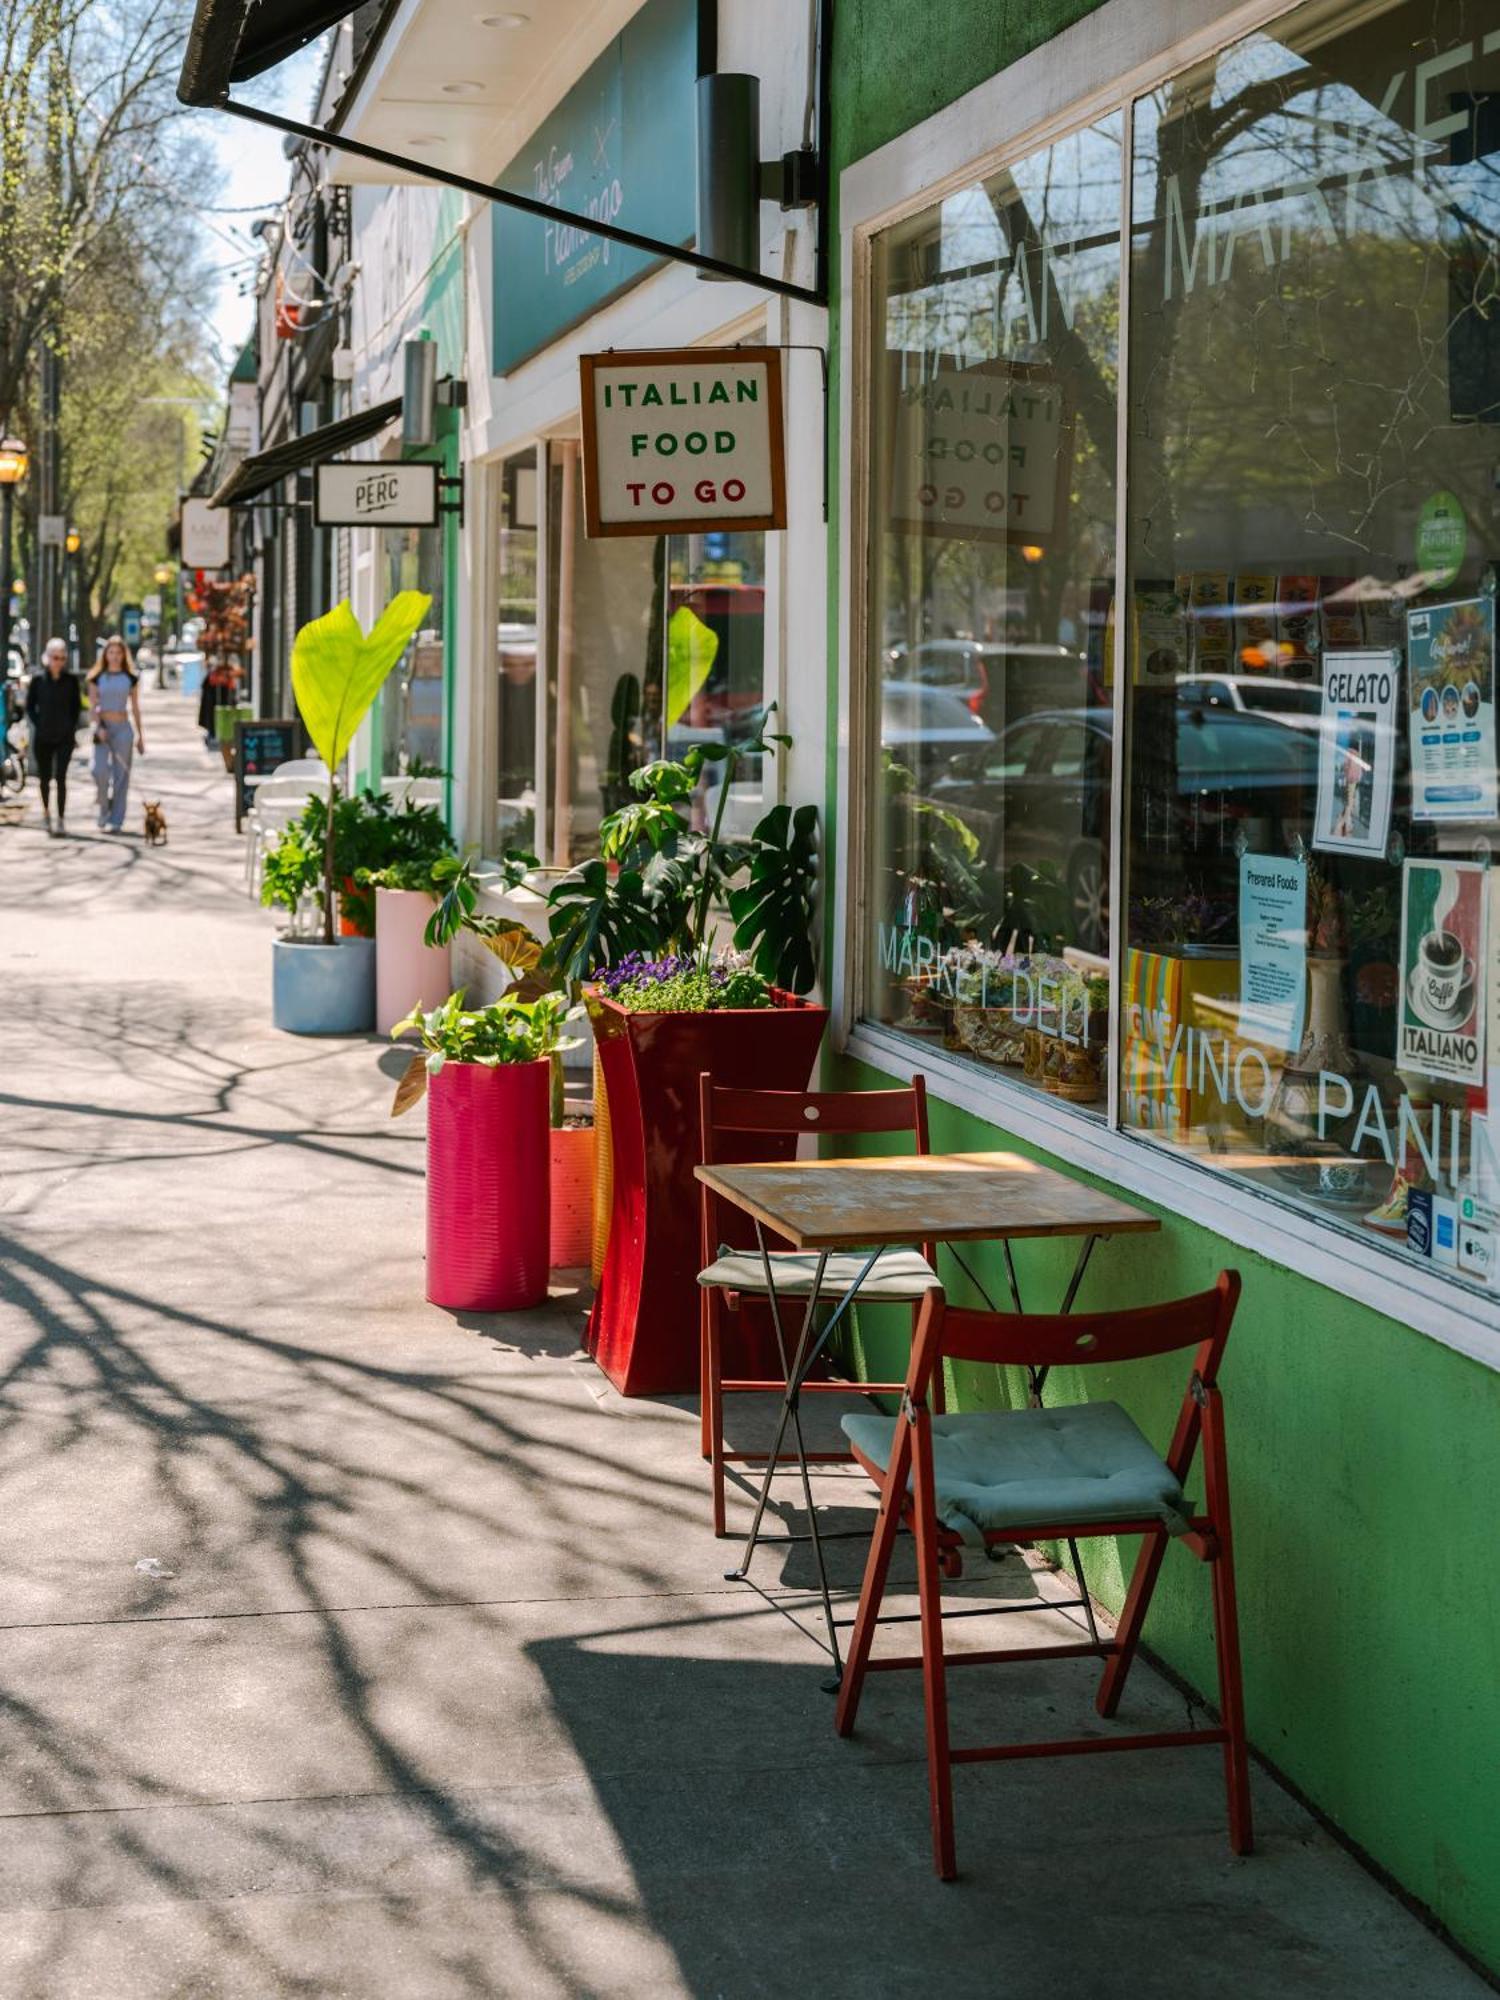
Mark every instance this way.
x=156 y=824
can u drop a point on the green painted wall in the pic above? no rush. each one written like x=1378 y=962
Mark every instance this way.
x=1365 y=1459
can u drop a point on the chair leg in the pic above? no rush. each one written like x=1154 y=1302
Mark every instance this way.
x=934 y=1670
x=705 y=1433
x=713 y=1412
x=1132 y=1619
x=1227 y=1629
x=872 y=1589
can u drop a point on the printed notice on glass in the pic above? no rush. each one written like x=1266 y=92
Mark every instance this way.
x=1443 y=920
x=1450 y=666
x=1273 y=950
x=1357 y=752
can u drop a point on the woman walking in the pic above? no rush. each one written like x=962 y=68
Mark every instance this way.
x=54 y=702
x=116 y=706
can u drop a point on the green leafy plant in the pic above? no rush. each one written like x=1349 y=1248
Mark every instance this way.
x=658 y=877
x=337 y=671
x=369 y=833
x=510 y=1030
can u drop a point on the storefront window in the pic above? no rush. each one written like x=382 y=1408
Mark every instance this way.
x=992 y=470
x=653 y=644
x=413 y=736
x=1315 y=384
x=516 y=655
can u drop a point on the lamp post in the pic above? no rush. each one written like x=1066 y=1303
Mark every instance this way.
x=72 y=621
x=166 y=573
x=13 y=463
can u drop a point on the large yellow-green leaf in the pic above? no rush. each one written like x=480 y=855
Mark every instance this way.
x=692 y=648
x=337 y=669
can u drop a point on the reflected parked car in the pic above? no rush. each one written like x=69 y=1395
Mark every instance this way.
x=1298 y=704
x=1039 y=794
x=999 y=679
x=928 y=729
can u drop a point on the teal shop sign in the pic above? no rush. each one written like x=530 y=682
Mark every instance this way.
x=620 y=147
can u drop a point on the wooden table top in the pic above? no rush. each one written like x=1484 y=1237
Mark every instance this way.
x=911 y=1198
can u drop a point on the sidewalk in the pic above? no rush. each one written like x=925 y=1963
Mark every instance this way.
x=444 y=1693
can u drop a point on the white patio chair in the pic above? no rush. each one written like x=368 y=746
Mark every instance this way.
x=278 y=801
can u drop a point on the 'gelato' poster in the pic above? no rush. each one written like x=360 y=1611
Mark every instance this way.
x=1443 y=906
x=1357 y=752
x=1273 y=950
x=1450 y=656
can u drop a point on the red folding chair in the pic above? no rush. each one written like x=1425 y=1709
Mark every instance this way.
x=1033 y=1475
x=731 y=1278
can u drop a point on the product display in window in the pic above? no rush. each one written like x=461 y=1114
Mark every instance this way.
x=1314 y=390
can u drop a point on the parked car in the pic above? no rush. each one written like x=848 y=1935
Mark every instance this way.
x=927 y=729
x=1038 y=795
x=1000 y=680
x=1299 y=704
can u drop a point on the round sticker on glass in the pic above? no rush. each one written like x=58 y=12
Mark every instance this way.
x=1442 y=537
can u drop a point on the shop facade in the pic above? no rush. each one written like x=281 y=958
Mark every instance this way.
x=1165 y=775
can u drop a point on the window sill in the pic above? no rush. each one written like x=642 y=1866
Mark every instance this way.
x=1454 y=1316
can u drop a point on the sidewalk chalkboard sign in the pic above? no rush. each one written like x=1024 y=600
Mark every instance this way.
x=258 y=748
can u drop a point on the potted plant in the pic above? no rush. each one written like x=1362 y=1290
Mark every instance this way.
x=487 y=1075
x=638 y=922
x=409 y=970
x=326 y=986
x=369 y=833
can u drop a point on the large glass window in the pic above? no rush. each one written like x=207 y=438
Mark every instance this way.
x=654 y=644
x=1315 y=385
x=516 y=655
x=413 y=735
x=1306 y=793
x=994 y=372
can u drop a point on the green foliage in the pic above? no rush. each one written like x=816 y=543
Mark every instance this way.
x=337 y=669
x=369 y=835
x=698 y=990
x=459 y=896
x=668 y=875
x=511 y=1030
x=428 y=875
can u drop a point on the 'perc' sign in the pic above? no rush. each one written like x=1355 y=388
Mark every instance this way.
x=371 y=493
x=682 y=440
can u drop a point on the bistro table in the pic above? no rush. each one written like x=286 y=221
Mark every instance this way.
x=869 y=1204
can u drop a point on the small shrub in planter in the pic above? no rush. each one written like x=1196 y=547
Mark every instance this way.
x=487 y=1075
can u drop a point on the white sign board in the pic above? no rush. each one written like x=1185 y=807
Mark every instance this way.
x=205 y=535
x=370 y=494
x=682 y=439
x=151 y=604
x=52 y=530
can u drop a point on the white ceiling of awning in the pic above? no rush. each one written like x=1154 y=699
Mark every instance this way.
x=449 y=89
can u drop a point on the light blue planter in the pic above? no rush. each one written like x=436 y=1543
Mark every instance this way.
x=320 y=989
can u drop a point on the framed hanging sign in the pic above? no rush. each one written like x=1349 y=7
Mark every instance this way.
x=680 y=440
x=372 y=494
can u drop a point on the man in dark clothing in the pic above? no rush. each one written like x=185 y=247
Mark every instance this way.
x=54 y=702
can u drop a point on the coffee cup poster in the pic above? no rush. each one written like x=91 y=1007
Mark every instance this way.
x=1450 y=651
x=1443 y=906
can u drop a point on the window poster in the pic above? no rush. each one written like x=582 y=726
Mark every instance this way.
x=1443 y=909
x=1451 y=670
x=1357 y=752
x=1273 y=950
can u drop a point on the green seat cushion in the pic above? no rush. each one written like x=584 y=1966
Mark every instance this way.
x=1005 y=1469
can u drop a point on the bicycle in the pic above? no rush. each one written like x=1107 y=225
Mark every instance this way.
x=12 y=755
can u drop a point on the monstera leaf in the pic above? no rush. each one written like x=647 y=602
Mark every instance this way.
x=337 y=670
x=773 y=913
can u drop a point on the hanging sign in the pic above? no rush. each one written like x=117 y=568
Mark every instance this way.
x=370 y=494
x=680 y=440
x=205 y=535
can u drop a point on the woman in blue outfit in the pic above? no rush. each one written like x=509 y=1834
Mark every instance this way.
x=115 y=704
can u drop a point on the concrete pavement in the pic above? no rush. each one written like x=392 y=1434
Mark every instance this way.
x=349 y=1647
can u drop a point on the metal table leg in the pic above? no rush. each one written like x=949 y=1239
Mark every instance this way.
x=810 y=1345
x=1039 y=1375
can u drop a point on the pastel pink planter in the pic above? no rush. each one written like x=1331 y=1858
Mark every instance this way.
x=488 y=1186
x=572 y=1197
x=408 y=973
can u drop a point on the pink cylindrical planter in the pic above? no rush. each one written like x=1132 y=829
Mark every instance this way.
x=408 y=973
x=488 y=1186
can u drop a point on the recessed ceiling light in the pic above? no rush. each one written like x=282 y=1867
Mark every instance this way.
x=465 y=89
x=503 y=20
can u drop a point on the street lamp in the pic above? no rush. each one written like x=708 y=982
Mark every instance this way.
x=72 y=610
x=14 y=460
x=166 y=573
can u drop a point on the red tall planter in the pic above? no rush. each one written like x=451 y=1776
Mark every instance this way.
x=488 y=1186
x=643 y=1330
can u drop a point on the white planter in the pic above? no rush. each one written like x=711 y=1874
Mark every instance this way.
x=408 y=973
x=322 y=989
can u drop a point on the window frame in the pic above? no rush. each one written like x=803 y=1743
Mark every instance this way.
x=1102 y=65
